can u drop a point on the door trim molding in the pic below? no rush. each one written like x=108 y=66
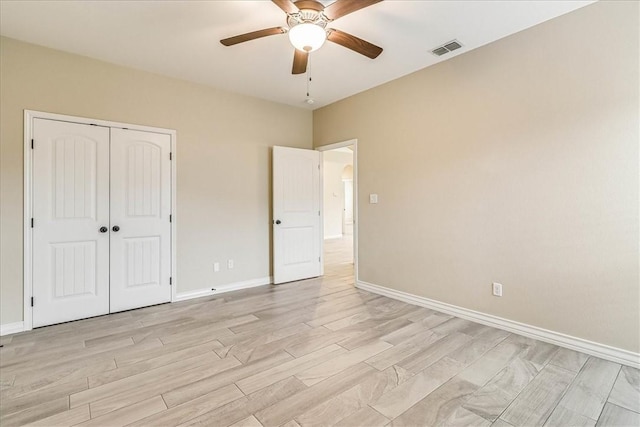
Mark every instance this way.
x=29 y=116
x=356 y=220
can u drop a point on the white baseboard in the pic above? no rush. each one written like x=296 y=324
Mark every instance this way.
x=14 y=328
x=183 y=296
x=602 y=351
x=11 y=328
x=334 y=236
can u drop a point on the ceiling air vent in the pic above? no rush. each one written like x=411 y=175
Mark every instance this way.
x=439 y=51
x=446 y=48
x=453 y=45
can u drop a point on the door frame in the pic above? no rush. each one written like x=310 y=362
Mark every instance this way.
x=29 y=116
x=356 y=222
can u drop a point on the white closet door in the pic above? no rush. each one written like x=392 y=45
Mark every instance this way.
x=70 y=205
x=296 y=214
x=140 y=228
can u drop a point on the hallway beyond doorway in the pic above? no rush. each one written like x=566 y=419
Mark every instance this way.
x=338 y=255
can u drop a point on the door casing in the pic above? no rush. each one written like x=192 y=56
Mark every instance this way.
x=321 y=148
x=29 y=116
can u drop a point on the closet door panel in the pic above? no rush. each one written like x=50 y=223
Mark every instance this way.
x=70 y=206
x=140 y=225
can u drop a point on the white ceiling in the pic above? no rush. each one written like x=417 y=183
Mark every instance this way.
x=181 y=39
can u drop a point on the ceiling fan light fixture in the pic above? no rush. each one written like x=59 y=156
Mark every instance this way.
x=307 y=37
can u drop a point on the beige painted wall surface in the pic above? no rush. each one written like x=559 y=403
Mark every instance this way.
x=223 y=157
x=515 y=163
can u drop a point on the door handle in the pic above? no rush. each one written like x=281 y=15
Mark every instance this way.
x=103 y=229
x=116 y=228
x=278 y=222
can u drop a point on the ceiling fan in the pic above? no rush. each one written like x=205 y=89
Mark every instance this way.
x=307 y=21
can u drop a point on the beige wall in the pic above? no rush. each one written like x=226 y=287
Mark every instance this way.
x=223 y=157
x=516 y=163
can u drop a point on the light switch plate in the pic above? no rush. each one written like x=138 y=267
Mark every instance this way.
x=373 y=198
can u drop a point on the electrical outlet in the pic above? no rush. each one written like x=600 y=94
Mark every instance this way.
x=216 y=267
x=230 y=264
x=497 y=289
x=373 y=198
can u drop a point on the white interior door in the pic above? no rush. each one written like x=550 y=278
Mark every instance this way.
x=140 y=223
x=296 y=214
x=70 y=205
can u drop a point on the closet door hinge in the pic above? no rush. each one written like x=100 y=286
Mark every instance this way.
x=32 y=143
x=170 y=156
x=32 y=300
x=170 y=281
x=32 y=222
x=170 y=218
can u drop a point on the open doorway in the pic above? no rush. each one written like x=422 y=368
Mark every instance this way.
x=339 y=207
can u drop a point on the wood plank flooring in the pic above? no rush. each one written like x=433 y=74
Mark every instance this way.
x=317 y=352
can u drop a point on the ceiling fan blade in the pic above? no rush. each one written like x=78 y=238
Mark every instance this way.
x=354 y=43
x=253 y=35
x=300 y=59
x=341 y=8
x=286 y=5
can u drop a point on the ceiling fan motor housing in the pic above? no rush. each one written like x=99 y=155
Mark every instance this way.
x=310 y=12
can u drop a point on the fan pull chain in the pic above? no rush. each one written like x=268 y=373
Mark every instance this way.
x=309 y=99
x=308 y=77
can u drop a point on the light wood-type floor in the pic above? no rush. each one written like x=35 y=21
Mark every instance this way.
x=314 y=352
